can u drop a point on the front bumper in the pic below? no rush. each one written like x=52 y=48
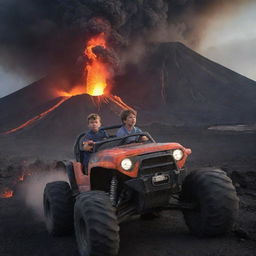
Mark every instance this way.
x=151 y=192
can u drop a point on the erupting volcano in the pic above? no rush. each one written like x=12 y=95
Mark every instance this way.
x=97 y=70
x=171 y=83
x=96 y=78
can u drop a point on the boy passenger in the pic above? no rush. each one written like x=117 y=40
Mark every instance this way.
x=128 y=118
x=93 y=135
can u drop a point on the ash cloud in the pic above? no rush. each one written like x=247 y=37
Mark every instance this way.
x=39 y=35
x=33 y=190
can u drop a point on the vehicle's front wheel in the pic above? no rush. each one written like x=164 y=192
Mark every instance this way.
x=96 y=226
x=215 y=200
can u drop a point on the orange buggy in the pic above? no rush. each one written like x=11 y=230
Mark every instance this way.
x=140 y=178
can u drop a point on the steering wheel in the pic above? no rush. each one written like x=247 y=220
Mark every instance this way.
x=137 y=140
x=124 y=139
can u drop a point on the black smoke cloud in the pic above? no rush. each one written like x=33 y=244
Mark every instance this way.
x=38 y=35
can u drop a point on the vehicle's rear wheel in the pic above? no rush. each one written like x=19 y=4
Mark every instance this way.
x=96 y=226
x=58 y=208
x=215 y=200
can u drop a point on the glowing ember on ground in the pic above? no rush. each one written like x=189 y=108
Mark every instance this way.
x=97 y=71
x=7 y=193
x=22 y=177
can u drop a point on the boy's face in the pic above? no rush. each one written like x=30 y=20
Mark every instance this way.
x=94 y=125
x=130 y=120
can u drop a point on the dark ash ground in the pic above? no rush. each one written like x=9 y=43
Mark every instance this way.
x=23 y=232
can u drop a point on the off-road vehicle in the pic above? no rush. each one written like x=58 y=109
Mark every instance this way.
x=140 y=178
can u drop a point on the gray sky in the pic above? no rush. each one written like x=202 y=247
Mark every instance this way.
x=230 y=40
x=11 y=82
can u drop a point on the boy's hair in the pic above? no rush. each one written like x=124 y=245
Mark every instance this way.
x=93 y=116
x=126 y=113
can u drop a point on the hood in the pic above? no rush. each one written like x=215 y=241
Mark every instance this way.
x=142 y=148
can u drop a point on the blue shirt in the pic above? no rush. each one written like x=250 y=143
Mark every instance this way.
x=94 y=136
x=122 y=131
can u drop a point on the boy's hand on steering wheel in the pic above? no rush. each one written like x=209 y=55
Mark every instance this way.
x=143 y=138
x=88 y=145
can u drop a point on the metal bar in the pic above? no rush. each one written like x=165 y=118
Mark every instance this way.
x=156 y=165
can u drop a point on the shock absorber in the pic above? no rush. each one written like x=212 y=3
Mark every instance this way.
x=113 y=190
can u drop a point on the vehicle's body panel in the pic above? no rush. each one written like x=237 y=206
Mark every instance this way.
x=110 y=159
x=83 y=181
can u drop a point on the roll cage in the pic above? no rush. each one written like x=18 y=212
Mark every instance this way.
x=112 y=141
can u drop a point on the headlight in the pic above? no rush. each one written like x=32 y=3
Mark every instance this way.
x=126 y=164
x=177 y=154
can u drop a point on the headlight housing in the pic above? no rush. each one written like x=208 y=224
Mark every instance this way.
x=126 y=164
x=177 y=154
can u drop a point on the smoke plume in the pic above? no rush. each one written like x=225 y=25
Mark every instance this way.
x=38 y=35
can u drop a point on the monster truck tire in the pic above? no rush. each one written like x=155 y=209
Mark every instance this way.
x=96 y=226
x=215 y=200
x=58 y=208
x=150 y=215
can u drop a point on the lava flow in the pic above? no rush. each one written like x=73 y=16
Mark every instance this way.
x=38 y=117
x=97 y=73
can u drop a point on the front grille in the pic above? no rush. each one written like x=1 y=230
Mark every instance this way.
x=157 y=164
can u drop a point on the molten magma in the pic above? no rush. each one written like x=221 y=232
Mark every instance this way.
x=78 y=90
x=97 y=71
x=6 y=194
x=118 y=101
x=38 y=117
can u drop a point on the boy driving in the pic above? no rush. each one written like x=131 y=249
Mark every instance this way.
x=128 y=118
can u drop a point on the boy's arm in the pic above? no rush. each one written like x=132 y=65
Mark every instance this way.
x=87 y=143
x=141 y=138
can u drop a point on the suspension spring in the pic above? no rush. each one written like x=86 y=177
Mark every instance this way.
x=113 y=190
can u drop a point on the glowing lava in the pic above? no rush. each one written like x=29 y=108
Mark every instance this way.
x=118 y=101
x=97 y=73
x=7 y=193
x=97 y=70
x=38 y=117
x=23 y=175
x=78 y=90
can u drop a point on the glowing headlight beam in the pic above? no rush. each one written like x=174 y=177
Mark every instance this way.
x=177 y=154
x=126 y=164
